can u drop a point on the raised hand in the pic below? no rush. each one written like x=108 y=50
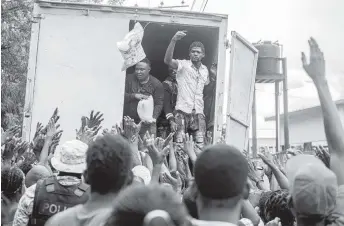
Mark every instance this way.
x=267 y=158
x=9 y=134
x=8 y=152
x=179 y=35
x=51 y=129
x=159 y=143
x=276 y=161
x=86 y=136
x=86 y=133
x=157 y=156
x=254 y=174
x=20 y=149
x=94 y=120
x=130 y=128
x=39 y=129
x=189 y=147
x=82 y=127
x=37 y=144
x=118 y=129
x=315 y=67
x=174 y=180
x=54 y=118
x=168 y=139
x=55 y=141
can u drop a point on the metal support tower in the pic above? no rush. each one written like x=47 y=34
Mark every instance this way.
x=276 y=79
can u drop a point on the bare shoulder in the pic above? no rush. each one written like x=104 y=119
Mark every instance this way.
x=64 y=217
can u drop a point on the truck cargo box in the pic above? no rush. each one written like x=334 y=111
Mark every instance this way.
x=75 y=64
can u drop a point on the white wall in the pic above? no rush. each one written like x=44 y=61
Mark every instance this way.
x=262 y=142
x=265 y=142
x=308 y=126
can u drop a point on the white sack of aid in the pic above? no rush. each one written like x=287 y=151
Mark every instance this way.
x=131 y=48
x=145 y=109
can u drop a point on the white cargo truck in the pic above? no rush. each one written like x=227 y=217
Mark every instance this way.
x=75 y=64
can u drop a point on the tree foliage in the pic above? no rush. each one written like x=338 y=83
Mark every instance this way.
x=15 y=41
x=16 y=19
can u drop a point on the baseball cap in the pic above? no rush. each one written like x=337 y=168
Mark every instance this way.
x=221 y=172
x=313 y=186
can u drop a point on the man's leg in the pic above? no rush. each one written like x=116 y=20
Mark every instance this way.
x=200 y=133
x=180 y=118
x=183 y=122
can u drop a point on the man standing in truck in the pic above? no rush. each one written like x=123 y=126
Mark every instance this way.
x=140 y=86
x=191 y=78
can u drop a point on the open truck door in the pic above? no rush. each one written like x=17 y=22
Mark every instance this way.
x=243 y=64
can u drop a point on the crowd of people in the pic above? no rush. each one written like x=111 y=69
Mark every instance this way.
x=128 y=176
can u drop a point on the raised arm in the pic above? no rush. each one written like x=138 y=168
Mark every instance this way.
x=280 y=177
x=170 y=49
x=332 y=123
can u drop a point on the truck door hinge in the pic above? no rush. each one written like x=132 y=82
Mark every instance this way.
x=227 y=44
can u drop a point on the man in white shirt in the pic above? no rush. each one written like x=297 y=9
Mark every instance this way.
x=191 y=78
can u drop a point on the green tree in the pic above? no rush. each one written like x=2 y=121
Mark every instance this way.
x=16 y=18
x=15 y=41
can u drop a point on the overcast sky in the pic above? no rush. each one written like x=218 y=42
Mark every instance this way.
x=291 y=22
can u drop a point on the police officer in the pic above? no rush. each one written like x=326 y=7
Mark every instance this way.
x=56 y=193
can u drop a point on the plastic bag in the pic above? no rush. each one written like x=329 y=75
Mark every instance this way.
x=145 y=109
x=131 y=48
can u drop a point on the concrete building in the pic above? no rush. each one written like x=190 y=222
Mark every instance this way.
x=265 y=139
x=306 y=125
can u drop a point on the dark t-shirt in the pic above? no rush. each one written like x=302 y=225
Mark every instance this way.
x=152 y=88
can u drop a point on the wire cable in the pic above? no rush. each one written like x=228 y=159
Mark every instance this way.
x=205 y=5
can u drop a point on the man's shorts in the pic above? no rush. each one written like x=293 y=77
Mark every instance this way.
x=194 y=124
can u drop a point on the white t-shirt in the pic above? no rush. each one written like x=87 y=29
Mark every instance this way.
x=191 y=82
